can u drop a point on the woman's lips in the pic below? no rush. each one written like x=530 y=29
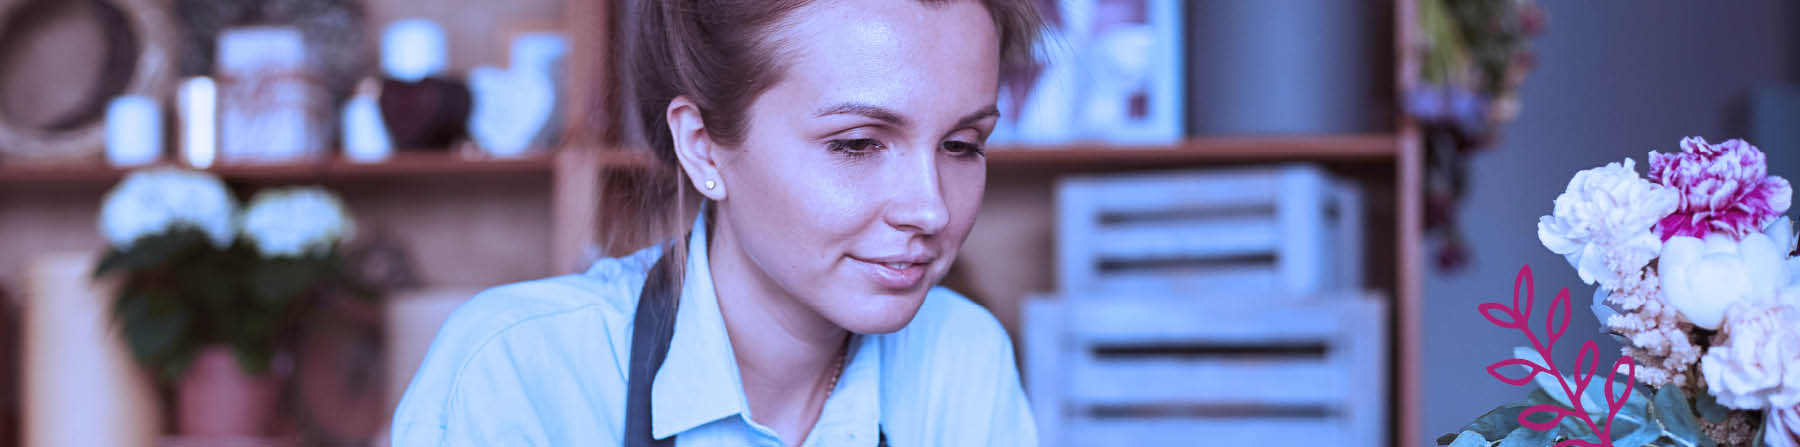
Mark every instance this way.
x=894 y=275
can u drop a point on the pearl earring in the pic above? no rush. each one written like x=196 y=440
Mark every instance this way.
x=710 y=184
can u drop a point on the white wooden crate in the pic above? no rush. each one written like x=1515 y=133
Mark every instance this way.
x=1289 y=230
x=1133 y=371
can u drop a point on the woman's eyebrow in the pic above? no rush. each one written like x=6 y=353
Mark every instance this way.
x=874 y=112
x=972 y=118
x=895 y=119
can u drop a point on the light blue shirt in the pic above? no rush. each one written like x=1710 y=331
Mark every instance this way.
x=544 y=363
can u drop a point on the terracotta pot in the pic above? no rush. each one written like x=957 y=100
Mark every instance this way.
x=219 y=399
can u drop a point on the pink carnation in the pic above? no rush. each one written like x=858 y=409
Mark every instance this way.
x=1725 y=188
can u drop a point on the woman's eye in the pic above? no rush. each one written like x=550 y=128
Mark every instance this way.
x=854 y=146
x=964 y=148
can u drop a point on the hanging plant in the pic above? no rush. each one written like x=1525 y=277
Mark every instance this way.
x=1474 y=56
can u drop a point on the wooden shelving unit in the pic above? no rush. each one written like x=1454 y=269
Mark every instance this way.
x=537 y=216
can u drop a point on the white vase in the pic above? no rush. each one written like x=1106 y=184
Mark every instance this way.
x=365 y=135
x=81 y=385
x=514 y=108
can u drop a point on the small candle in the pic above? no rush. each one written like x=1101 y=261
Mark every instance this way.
x=133 y=131
x=198 y=109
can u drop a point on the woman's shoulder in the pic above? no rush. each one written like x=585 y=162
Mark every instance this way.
x=611 y=285
x=542 y=314
x=563 y=332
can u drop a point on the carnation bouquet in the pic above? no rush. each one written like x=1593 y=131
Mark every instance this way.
x=196 y=271
x=1695 y=278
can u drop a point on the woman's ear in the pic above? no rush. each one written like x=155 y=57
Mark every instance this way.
x=694 y=148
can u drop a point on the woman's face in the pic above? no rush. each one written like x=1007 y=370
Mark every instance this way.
x=862 y=169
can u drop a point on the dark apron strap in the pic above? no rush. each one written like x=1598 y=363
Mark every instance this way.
x=651 y=330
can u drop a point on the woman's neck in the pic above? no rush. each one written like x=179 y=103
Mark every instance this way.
x=786 y=352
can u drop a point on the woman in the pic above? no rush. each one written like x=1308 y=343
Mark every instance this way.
x=837 y=146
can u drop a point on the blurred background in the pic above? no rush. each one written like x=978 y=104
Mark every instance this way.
x=231 y=222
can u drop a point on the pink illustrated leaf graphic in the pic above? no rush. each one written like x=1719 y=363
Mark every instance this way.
x=1512 y=320
x=1613 y=406
x=1582 y=443
x=1532 y=370
x=1556 y=415
x=1556 y=322
x=1590 y=358
x=1554 y=326
x=1523 y=283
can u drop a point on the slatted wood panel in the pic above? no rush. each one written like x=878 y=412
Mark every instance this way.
x=1186 y=370
x=1293 y=382
x=1222 y=432
x=1290 y=230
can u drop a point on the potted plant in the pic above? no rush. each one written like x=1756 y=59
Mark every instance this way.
x=208 y=294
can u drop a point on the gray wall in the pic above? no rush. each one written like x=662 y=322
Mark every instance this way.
x=1615 y=79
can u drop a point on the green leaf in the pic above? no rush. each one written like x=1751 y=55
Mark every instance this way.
x=157 y=250
x=281 y=280
x=252 y=355
x=1633 y=425
x=1466 y=439
x=1526 y=437
x=112 y=260
x=1500 y=421
x=1571 y=426
x=1593 y=400
x=1709 y=408
x=152 y=335
x=1678 y=421
x=1602 y=311
x=1635 y=432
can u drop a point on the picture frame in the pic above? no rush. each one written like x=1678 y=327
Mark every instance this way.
x=1112 y=72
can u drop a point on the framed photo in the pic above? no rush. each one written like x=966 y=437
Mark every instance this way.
x=1112 y=72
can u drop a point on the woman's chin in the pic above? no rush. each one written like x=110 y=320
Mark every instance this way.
x=880 y=314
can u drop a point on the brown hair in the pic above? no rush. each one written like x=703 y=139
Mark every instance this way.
x=718 y=54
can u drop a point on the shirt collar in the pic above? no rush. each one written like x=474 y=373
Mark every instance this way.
x=699 y=381
x=852 y=415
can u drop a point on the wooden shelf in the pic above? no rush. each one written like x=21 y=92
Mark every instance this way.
x=1373 y=147
x=407 y=164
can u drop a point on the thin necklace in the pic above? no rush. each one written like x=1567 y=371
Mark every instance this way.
x=837 y=370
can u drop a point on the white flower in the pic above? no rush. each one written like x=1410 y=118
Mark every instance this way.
x=295 y=222
x=1758 y=365
x=1602 y=223
x=1781 y=427
x=1703 y=278
x=1781 y=232
x=154 y=201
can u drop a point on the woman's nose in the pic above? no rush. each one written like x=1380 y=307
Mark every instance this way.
x=917 y=203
